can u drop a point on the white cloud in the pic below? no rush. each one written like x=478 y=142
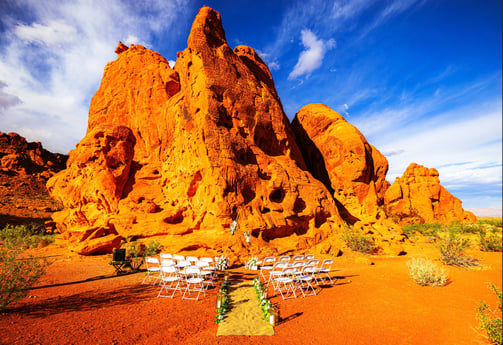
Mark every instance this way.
x=54 y=33
x=312 y=57
x=54 y=62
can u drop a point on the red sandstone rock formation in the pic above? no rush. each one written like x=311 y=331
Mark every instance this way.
x=353 y=170
x=24 y=170
x=340 y=156
x=179 y=154
x=418 y=197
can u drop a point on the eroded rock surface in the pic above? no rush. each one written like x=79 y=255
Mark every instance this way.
x=24 y=170
x=418 y=197
x=209 y=142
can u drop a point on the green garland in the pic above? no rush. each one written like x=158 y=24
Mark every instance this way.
x=224 y=301
x=265 y=305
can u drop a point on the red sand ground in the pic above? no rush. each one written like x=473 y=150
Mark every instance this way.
x=81 y=301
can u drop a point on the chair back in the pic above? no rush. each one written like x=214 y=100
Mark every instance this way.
x=313 y=262
x=309 y=257
x=308 y=269
x=192 y=259
x=151 y=260
x=202 y=264
x=298 y=257
x=165 y=256
x=279 y=265
x=178 y=257
x=269 y=260
x=183 y=263
x=206 y=259
x=298 y=264
x=169 y=269
x=327 y=263
x=284 y=258
x=167 y=262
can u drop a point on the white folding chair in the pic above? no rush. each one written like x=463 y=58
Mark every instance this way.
x=153 y=270
x=303 y=281
x=206 y=272
x=309 y=257
x=324 y=270
x=297 y=258
x=169 y=276
x=266 y=266
x=284 y=283
x=276 y=272
x=195 y=283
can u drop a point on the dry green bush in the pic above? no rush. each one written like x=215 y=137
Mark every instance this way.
x=490 y=319
x=426 y=273
x=17 y=275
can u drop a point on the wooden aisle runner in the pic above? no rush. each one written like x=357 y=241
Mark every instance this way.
x=244 y=316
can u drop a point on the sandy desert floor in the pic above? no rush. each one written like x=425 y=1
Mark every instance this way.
x=81 y=301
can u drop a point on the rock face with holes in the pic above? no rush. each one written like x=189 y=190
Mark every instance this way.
x=337 y=154
x=176 y=155
x=354 y=171
x=417 y=197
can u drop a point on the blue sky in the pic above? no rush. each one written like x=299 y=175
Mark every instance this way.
x=422 y=80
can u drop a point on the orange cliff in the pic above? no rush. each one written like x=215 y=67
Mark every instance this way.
x=177 y=154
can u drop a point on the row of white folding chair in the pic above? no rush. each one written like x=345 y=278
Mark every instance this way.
x=193 y=277
x=289 y=279
x=178 y=257
x=154 y=266
x=320 y=272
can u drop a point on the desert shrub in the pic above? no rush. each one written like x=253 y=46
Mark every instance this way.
x=496 y=222
x=490 y=242
x=426 y=273
x=24 y=236
x=490 y=319
x=152 y=248
x=452 y=251
x=17 y=275
x=427 y=229
x=458 y=227
x=357 y=242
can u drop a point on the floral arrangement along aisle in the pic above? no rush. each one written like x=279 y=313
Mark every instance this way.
x=268 y=310
x=251 y=264
x=222 y=263
x=222 y=301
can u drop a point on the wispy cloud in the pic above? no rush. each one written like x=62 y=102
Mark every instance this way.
x=52 y=61
x=312 y=57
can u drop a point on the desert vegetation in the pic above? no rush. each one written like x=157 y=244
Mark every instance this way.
x=18 y=271
x=358 y=242
x=490 y=319
x=426 y=273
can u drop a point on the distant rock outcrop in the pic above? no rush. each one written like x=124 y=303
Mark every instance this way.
x=24 y=170
x=417 y=197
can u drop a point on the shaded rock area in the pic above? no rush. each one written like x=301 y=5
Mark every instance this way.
x=177 y=154
x=25 y=168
